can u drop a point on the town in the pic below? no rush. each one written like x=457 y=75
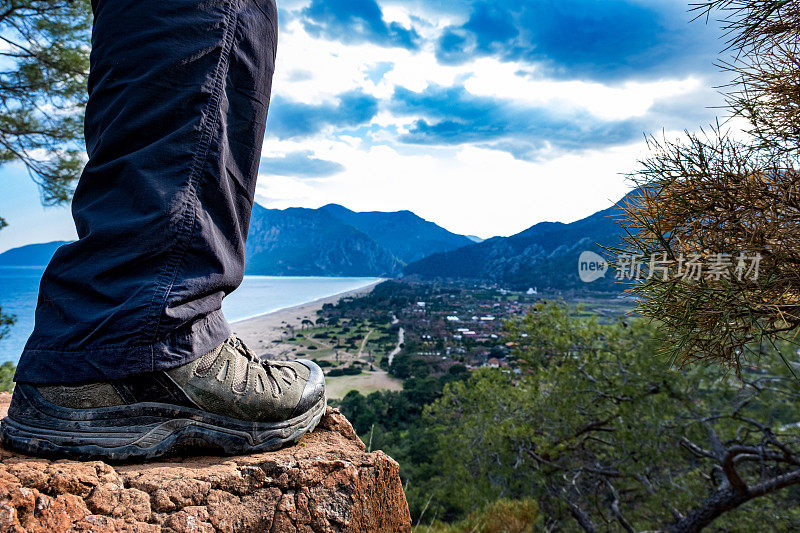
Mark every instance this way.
x=407 y=329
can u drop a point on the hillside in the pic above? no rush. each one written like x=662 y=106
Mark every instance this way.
x=310 y=242
x=30 y=255
x=544 y=256
x=329 y=241
x=335 y=241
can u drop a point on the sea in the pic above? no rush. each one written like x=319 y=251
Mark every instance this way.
x=258 y=295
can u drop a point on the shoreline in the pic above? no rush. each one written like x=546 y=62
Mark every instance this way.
x=261 y=332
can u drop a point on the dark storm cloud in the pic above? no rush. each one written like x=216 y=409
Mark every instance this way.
x=356 y=21
x=289 y=119
x=301 y=164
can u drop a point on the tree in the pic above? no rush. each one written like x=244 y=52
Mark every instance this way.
x=401 y=366
x=43 y=90
x=607 y=437
x=733 y=193
x=45 y=51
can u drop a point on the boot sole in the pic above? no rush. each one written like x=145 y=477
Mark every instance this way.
x=141 y=431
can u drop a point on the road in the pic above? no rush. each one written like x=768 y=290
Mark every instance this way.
x=401 y=337
x=363 y=343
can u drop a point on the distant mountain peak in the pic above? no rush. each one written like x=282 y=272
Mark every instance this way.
x=335 y=240
x=544 y=255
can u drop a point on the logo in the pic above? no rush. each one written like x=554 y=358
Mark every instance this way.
x=591 y=266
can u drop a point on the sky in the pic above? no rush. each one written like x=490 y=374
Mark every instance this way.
x=484 y=117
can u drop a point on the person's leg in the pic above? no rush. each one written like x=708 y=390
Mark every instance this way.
x=178 y=103
x=130 y=356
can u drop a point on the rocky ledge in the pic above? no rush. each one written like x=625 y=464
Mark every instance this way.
x=327 y=482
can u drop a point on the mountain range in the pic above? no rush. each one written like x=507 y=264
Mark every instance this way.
x=543 y=256
x=335 y=241
x=329 y=241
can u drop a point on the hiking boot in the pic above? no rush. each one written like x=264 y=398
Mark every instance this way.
x=227 y=401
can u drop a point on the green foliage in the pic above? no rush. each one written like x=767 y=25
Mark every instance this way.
x=392 y=421
x=500 y=516
x=6 y=321
x=405 y=366
x=7 y=370
x=347 y=371
x=727 y=190
x=457 y=369
x=42 y=97
x=43 y=90
x=598 y=430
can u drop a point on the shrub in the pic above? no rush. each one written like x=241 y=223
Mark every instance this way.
x=500 y=516
x=348 y=371
x=7 y=370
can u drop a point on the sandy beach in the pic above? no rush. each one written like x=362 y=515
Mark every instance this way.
x=258 y=333
x=264 y=335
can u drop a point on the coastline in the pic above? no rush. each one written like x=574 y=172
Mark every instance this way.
x=259 y=332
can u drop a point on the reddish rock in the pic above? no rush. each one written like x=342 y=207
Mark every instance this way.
x=327 y=482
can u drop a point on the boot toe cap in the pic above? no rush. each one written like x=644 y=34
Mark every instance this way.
x=314 y=390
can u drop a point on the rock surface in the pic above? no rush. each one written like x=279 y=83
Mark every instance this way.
x=327 y=482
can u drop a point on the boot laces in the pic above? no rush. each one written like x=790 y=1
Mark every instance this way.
x=276 y=372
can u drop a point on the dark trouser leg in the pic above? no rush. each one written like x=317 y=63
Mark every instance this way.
x=178 y=97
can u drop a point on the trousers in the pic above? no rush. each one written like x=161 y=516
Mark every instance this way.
x=175 y=122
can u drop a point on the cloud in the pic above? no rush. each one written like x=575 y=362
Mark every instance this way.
x=288 y=119
x=452 y=116
x=584 y=39
x=356 y=21
x=299 y=164
x=299 y=75
x=466 y=189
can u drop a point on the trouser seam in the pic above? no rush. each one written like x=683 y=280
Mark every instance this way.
x=211 y=119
